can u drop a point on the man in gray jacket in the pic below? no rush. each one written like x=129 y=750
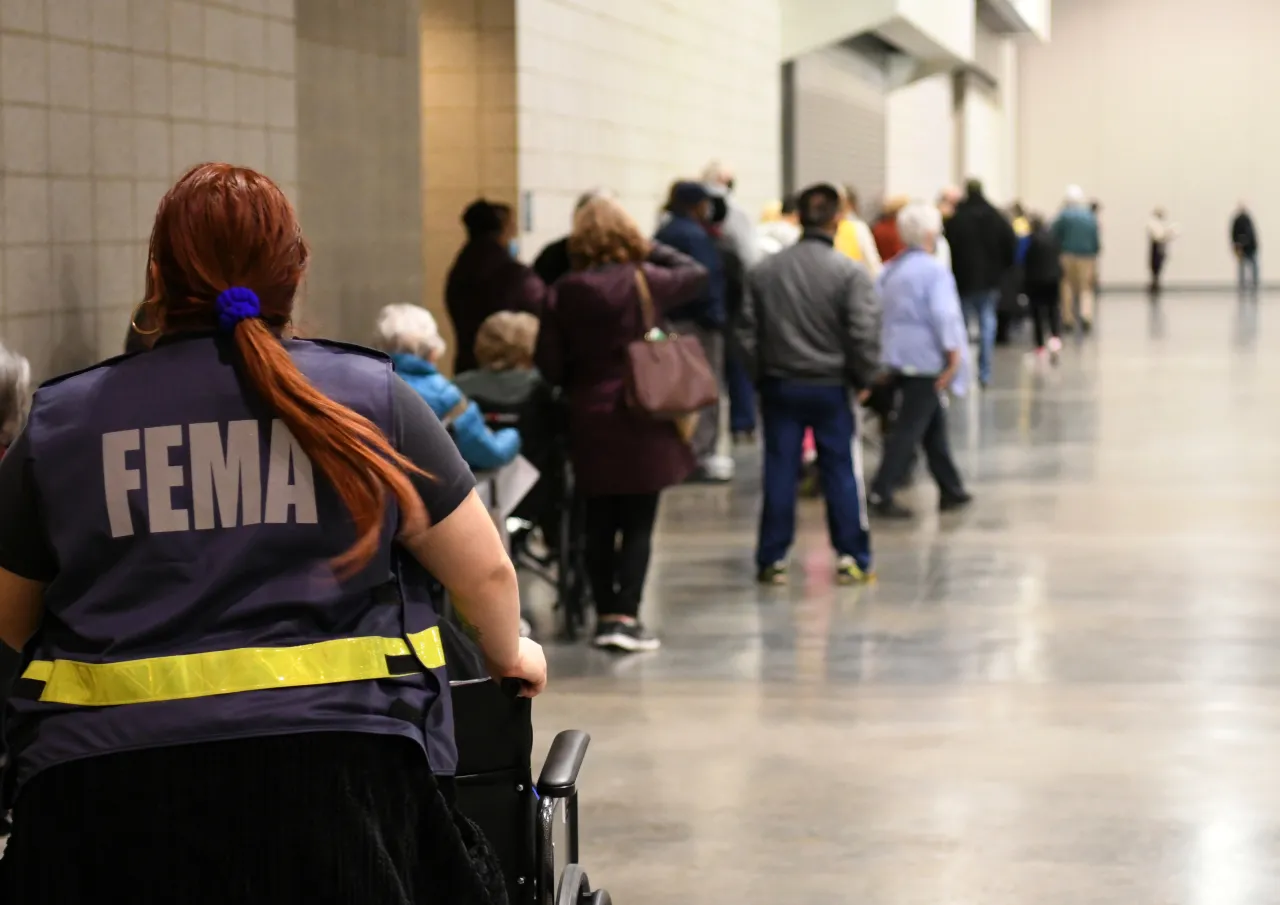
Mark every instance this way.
x=809 y=333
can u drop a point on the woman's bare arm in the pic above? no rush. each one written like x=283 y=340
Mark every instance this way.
x=465 y=554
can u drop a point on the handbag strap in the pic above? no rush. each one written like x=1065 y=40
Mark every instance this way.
x=646 y=300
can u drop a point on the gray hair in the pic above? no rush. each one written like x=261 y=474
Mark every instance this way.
x=409 y=329
x=15 y=386
x=917 y=223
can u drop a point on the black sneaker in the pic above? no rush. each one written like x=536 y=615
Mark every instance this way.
x=951 y=503
x=890 y=510
x=620 y=635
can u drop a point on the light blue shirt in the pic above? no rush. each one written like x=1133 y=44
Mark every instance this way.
x=922 y=318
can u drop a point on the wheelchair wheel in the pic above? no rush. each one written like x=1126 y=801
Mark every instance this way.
x=575 y=889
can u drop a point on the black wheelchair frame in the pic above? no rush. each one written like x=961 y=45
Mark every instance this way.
x=495 y=789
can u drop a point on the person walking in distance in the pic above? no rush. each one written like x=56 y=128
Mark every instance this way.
x=1160 y=232
x=1042 y=278
x=1076 y=230
x=686 y=231
x=1244 y=241
x=924 y=342
x=810 y=334
x=982 y=250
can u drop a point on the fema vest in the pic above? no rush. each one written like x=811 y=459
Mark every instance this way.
x=194 y=601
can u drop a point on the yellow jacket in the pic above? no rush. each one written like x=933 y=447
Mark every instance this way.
x=847 y=240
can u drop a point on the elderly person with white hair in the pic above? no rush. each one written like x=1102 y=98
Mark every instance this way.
x=923 y=342
x=15 y=395
x=738 y=227
x=410 y=336
x=1076 y=230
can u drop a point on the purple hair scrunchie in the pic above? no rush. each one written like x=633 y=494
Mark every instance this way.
x=236 y=304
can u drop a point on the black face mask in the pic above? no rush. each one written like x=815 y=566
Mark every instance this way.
x=728 y=186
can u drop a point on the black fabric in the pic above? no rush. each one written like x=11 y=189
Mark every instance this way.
x=921 y=421
x=25 y=549
x=1046 y=311
x=982 y=245
x=1243 y=235
x=619 y=532
x=1157 y=262
x=553 y=261
x=1043 y=263
x=333 y=818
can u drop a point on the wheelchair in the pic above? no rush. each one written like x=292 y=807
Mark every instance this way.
x=521 y=819
x=552 y=508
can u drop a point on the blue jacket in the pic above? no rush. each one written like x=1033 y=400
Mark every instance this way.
x=1076 y=230
x=480 y=447
x=688 y=235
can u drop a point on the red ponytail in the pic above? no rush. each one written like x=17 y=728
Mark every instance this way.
x=224 y=226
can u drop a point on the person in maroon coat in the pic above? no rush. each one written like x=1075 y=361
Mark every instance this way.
x=487 y=278
x=622 y=460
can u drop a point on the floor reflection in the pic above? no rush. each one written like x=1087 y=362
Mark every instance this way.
x=1068 y=694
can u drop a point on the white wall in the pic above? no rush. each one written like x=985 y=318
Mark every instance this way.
x=102 y=106
x=1158 y=102
x=839 y=117
x=949 y=22
x=633 y=95
x=920 y=130
x=989 y=127
x=1038 y=16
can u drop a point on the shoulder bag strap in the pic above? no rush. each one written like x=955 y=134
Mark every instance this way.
x=646 y=300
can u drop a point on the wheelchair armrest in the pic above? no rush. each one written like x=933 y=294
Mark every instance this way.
x=559 y=777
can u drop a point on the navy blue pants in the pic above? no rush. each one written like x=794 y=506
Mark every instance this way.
x=742 y=395
x=788 y=408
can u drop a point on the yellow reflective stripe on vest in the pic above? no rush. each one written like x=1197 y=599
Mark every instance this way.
x=230 y=671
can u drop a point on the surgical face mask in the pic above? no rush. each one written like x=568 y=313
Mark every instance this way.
x=513 y=248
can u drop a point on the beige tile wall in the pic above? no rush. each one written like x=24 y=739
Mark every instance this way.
x=631 y=95
x=468 y=123
x=103 y=104
x=359 y=160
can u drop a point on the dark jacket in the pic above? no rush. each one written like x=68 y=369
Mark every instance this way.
x=811 y=314
x=553 y=261
x=690 y=237
x=592 y=316
x=982 y=245
x=484 y=280
x=1043 y=263
x=1243 y=235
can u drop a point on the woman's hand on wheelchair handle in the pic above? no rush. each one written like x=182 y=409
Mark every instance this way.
x=530 y=667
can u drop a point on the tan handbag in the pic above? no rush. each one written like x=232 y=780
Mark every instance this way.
x=668 y=375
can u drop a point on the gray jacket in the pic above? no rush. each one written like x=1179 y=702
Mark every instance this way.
x=811 y=314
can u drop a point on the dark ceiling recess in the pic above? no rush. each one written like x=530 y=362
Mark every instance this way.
x=873 y=47
x=1000 y=16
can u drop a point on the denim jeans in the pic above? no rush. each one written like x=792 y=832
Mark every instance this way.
x=1249 y=263
x=788 y=408
x=982 y=307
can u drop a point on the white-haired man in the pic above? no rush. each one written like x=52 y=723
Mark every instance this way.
x=1076 y=230
x=923 y=342
x=15 y=395
x=738 y=226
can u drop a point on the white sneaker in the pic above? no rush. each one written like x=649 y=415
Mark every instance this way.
x=718 y=468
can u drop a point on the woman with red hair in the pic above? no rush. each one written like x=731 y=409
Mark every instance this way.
x=213 y=558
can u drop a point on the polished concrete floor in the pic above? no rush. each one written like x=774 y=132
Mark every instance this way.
x=1068 y=694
